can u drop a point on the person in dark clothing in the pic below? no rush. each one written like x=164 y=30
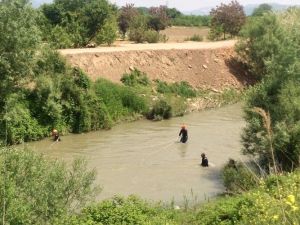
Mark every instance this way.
x=204 y=162
x=184 y=134
x=55 y=135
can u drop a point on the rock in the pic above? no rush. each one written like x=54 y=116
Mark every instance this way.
x=204 y=66
x=190 y=66
x=131 y=68
x=216 y=60
x=215 y=90
x=91 y=45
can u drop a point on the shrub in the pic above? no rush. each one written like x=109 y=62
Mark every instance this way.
x=59 y=38
x=135 y=78
x=37 y=191
x=195 y=37
x=238 y=178
x=120 y=101
x=131 y=211
x=137 y=35
x=133 y=102
x=183 y=88
x=161 y=110
x=19 y=123
x=108 y=32
x=151 y=36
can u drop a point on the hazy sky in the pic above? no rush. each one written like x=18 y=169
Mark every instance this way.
x=188 y=5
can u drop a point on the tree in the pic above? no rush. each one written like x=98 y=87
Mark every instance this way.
x=273 y=106
x=230 y=17
x=79 y=18
x=173 y=13
x=19 y=40
x=159 y=19
x=127 y=14
x=108 y=33
x=261 y=9
x=260 y=40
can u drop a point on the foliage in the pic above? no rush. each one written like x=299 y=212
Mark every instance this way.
x=38 y=191
x=159 y=19
x=238 y=177
x=161 y=110
x=108 y=32
x=19 y=39
x=261 y=9
x=183 y=88
x=80 y=20
x=277 y=44
x=230 y=17
x=191 y=21
x=126 y=16
x=120 y=101
x=195 y=37
x=131 y=211
x=134 y=78
x=137 y=29
x=173 y=13
x=260 y=40
x=59 y=38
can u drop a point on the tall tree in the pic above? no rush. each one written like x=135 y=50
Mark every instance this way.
x=126 y=15
x=159 y=18
x=229 y=17
x=19 y=40
x=261 y=9
x=271 y=45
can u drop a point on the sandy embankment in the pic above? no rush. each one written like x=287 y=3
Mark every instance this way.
x=205 y=65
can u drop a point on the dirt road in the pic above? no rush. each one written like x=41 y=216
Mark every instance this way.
x=158 y=46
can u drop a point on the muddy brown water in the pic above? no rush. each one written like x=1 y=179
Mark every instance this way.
x=145 y=158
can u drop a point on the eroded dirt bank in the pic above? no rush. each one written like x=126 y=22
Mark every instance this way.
x=203 y=65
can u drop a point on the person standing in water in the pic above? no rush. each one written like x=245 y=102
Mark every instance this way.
x=55 y=135
x=204 y=162
x=184 y=134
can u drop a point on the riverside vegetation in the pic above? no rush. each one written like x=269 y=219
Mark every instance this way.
x=39 y=91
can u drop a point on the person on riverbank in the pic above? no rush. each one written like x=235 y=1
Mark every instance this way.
x=204 y=161
x=55 y=135
x=184 y=134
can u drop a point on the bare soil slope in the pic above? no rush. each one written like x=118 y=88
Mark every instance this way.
x=204 y=65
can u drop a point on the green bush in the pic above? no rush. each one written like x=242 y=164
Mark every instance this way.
x=130 y=211
x=151 y=36
x=161 y=110
x=108 y=32
x=59 y=38
x=38 y=191
x=120 y=101
x=18 y=125
x=195 y=37
x=238 y=177
x=183 y=88
x=135 y=78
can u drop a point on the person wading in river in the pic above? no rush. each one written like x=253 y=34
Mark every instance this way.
x=55 y=135
x=204 y=162
x=184 y=134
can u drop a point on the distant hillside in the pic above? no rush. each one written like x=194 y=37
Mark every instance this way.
x=248 y=9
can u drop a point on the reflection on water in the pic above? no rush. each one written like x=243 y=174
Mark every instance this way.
x=145 y=158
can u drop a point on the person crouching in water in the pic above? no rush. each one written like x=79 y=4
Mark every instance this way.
x=204 y=162
x=55 y=135
x=184 y=134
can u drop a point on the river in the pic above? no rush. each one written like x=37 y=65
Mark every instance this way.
x=145 y=158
